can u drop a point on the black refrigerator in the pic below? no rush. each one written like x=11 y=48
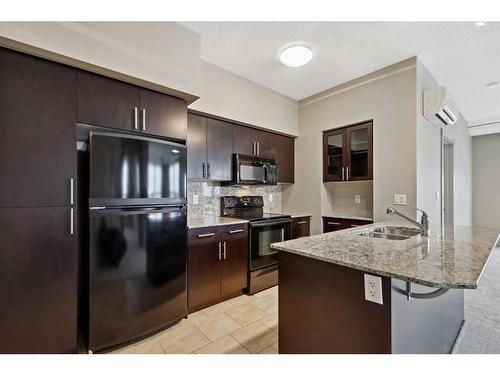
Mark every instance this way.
x=137 y=237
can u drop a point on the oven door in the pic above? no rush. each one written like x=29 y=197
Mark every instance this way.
x=262 y=235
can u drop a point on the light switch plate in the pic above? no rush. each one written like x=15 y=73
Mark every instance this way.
x=373 y=289
x=357 y=199
x=399 y=199
x=195 y=199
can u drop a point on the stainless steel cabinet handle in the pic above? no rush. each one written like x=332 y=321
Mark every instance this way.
x=235 y=231
x=224 y=246
x=204 y=173
x=219 y=256
x=342 y=173
x=208 y=170
x=354 y=225
x=136 y=119
x=71 y=218
x=258 y=148
x=332 y=223
x=347 y=173
x=301 y=222
x=71 y=191
x=143 y=119
x=254 y=149
x=206 y=235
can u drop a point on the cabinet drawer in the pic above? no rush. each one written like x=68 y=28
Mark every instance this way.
x=301 y=227
x=331 y=224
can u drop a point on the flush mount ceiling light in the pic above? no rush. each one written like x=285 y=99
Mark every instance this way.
x=492 y=84
x=480 y=23
x=296 y=55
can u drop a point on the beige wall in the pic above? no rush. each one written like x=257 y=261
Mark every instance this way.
x=165 y=53
x=486 y=181
x=388 y=97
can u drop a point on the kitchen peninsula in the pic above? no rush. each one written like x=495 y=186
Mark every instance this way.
x=322 y=305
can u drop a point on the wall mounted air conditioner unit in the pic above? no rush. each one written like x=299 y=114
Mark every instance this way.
x=439 y=108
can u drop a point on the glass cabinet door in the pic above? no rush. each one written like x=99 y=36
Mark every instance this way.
x=334 y=155
x=359 y=152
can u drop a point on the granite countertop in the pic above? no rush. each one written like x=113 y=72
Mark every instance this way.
x=334 y=216
x=451 y=257
x=201 y=222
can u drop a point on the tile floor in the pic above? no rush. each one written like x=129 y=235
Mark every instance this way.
x=242 y=325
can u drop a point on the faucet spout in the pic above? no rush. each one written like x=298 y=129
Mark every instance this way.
x=424 y=219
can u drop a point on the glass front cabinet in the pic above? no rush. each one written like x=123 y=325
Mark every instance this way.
x=347 y=153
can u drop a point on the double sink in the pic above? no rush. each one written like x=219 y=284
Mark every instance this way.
x=391 y=233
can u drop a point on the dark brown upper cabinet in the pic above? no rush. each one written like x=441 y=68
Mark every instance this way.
x=110 y=103
x=37 y=131
x=163 y=115
x=248 y=141
x=348 y=153
x=210 y=149
x=284 y=153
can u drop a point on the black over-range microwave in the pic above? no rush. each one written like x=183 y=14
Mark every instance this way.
x=254 y=170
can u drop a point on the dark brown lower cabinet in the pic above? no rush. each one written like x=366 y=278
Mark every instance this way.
x=38 y=281
x=217 y=264
x=331 y=224
x=301 y=227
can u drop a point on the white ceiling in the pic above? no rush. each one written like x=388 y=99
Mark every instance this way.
x=461 y=56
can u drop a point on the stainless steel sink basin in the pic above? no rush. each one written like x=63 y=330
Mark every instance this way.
x=391 y=233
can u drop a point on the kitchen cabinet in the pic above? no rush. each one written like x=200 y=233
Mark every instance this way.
x=210 y=149
x=217 y=264
x=331 y=224
x=37 y=131
x=248 y=141
x=348 y=153
x=285 y=158
x=301 y=227
x=38 y=275
x=111 y=103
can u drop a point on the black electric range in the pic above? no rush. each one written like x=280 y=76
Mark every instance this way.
x=265 y=229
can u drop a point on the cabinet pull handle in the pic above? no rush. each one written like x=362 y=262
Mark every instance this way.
x=258 y=148
x=235 y=231
x=342 y=173
x=219 y=255
x=71 y=218
x=332 y=223
x=144 y=119
x=206 y=235
x=204 y=173
x=301 y=222
x=354 y=225
x=71 y=191
x=136 y=118
x=224 y=246
x=208 y=170
x=347 y=173
x=254 y=152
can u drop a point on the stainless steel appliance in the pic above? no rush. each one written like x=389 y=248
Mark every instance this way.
x=137 y=237
x=265 y=229
x=254 y=170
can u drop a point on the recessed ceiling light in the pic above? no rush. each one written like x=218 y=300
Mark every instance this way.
x=492 y=84
x=296 y=55
x=480 y=23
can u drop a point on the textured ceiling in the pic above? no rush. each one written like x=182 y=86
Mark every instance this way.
x=461 y=56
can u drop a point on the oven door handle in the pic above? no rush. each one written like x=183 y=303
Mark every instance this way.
x=269 y=223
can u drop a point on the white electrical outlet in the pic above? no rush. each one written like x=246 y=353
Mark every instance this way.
x=270 y=197
x=437 y=195
x=373 y=289
x=400 y=199
x=195 y=198
x=357 y=199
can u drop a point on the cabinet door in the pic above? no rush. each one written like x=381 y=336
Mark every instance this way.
x=37 y=131
x=359 y=152
x=107 y=102
x=204 y=282
x=38 y=278
x=284 y=155
x=331 y=224
x=243 y=140
x=163 y=115
x=300 y=227
x=334 y=159
x=196 y=146
x=235 y=259
x=219 y=150
x=265 y=144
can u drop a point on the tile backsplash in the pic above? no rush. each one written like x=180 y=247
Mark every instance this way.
x=209 y=194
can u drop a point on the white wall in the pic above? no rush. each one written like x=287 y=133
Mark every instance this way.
x=165 y=53
x=387 y=97
x=486 y=185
